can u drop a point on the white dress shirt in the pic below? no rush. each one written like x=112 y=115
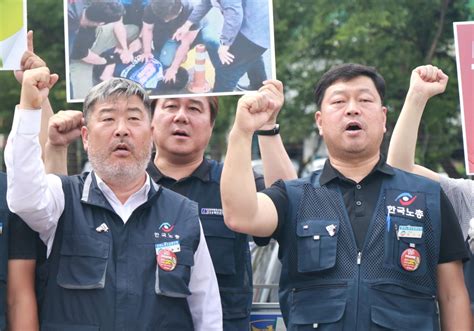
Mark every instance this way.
x=39 y=200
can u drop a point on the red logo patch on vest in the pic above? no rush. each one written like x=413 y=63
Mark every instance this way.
x=410 y=259
x=166 y=260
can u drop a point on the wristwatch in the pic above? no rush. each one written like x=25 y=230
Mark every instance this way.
x=271 y=132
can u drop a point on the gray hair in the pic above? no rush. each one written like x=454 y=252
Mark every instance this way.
x=114 y=88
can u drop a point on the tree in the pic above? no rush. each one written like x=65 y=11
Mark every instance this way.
x=311 y=36
x=393 y=36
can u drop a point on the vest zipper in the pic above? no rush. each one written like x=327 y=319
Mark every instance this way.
x=359 y=260
x=331 y=285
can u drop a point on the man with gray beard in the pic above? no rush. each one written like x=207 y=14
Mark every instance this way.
x=124 y=253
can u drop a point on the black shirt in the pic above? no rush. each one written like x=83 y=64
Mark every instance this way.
x=163 y=31
x=134 y=12
x=101 y=12
x=25 y=243
x=360 y=200
x=184 y=185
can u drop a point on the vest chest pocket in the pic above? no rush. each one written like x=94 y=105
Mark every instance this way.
x=220 y=241
x=83 y=262
x=316 y=244
x=175 y=283
x=404 y=246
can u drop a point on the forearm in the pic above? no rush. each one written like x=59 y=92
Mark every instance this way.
x=401 y=153
x=46 y=113
x=55 y=159
x=183 y=49
x=276 y=162
x=147 y=36
x=239 y=195
x=21 y=297
x=121 y=35
x=23 y=313
x=455 y=312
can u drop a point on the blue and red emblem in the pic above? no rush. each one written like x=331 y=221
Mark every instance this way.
x=166 y=227
x=405 y=199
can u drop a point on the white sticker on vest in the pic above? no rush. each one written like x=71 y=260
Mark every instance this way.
x=409 y=231
x=331 y=229
x=173 y=246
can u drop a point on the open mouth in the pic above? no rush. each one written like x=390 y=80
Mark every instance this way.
x=121 y=147
x=180 y=133
x=353 y=126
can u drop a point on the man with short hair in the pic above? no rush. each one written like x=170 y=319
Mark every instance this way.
x=363 y=245
x=182 y=128
x=124 y=253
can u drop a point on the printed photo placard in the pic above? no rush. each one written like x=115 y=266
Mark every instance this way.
x=173 y=48
x=464 y=41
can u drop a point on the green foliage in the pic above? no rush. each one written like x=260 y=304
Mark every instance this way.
x=311 y=36
x=393 y=36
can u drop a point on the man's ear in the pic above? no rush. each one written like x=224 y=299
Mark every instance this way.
x=319 y=122
x=85 y=137
x=384 y=109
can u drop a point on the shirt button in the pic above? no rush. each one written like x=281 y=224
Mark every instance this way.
x=358 y=203
x=358 y=186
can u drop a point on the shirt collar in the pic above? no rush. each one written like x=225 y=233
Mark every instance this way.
x=141 y=194
x=329 y=173
x=202 y=172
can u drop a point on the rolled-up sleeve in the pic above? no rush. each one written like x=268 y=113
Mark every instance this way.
x=34 y=196
x=200 y=10
x=460 y=193
x=233 y=12
x=204 y=301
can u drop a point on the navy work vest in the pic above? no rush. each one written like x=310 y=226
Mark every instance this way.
x=327 y=284
x=3 y=249
x=103 y=274
x=229 y=251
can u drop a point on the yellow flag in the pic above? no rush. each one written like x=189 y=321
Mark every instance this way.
x=11 y=17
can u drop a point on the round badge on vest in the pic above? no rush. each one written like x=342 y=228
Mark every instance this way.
x=166 y=260
x=410 y=259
